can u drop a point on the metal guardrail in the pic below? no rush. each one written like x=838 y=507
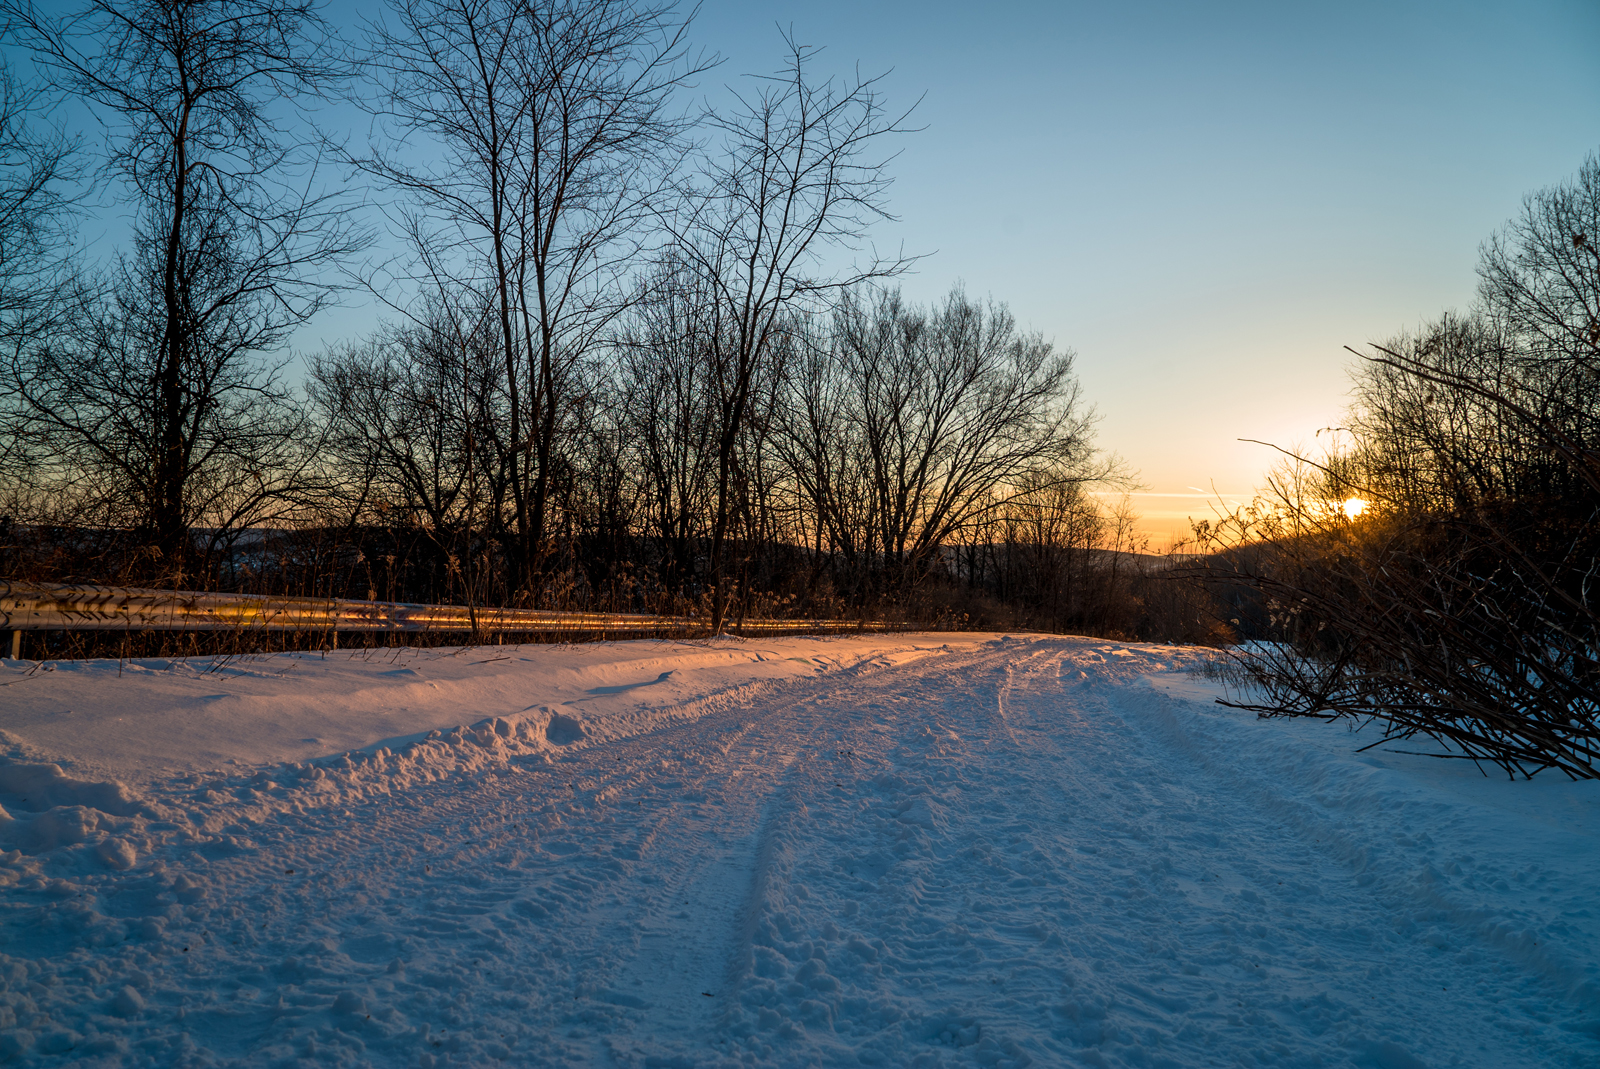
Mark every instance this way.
x=26 y=607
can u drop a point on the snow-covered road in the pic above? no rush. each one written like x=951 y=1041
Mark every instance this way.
x=1020 y=850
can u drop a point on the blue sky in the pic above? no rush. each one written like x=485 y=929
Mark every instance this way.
x=1205 y=201
x=1208 y=201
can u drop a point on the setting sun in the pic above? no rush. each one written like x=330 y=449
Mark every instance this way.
x=1353 y=507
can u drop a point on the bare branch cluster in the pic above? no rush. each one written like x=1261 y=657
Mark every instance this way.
x=1461 y=605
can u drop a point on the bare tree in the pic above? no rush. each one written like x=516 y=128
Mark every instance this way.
x=663 y=394
x=37 y=164
x=802 y=172
x=407 y=412
x=1540 y=275
x=956 y=407
x=822 y=442
x=1050 y=530
x=161 y=387
x=555 y=140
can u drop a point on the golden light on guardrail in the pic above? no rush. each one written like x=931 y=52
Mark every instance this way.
x=98 y=608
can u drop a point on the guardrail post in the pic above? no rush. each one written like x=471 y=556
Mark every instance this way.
x=16 y=645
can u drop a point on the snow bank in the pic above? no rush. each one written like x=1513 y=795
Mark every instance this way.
x=211 y=742
x=140 y=720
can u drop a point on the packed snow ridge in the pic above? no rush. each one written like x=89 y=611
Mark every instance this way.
x=909 y=850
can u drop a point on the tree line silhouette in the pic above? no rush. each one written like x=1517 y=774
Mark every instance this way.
x=637 y=356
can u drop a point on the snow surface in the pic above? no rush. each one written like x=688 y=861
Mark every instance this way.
x=899 y=850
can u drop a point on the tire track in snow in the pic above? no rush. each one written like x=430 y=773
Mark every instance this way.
x=800 y=985
x=792 y=731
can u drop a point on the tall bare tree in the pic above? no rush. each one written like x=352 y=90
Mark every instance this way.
x=37 y=166
x=551 y=139
x=161 y=389
x=800 y=173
